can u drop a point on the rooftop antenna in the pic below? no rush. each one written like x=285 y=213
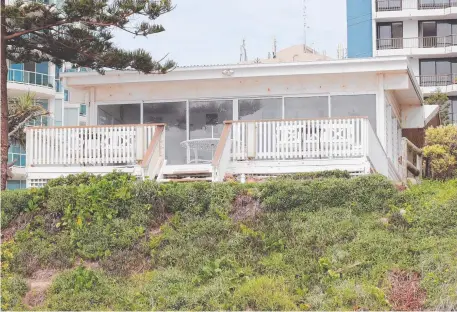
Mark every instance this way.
x=274 y=47
x=243 y=53
x=305 y=25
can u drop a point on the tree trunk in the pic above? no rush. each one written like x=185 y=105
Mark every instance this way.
x=4 y=100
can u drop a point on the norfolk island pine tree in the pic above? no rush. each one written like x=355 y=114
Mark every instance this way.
x=78 y=32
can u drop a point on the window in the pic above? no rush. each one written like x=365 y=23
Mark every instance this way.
x=306 y=107
x=123 y=114
x=82 y=110
x=173 y=114
x=438 y=72
x=355 y=105
x=260 y=109
x=437 y=33
x=66 y=95
x=15 y=184
x=206 y=121
x=390 y=35
x=16 y=154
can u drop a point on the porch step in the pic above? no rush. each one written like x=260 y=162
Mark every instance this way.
x=184 y=180
x=187 y=176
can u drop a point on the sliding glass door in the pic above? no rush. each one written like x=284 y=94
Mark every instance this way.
x=173 y=114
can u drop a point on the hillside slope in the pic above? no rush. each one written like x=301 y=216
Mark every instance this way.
x=299 y=243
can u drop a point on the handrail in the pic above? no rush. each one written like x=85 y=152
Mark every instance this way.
x=25 y=77
x=152 y=146
x=154 y=157
x=98 y=126
x=416 y=42
x=407 y=165
x=222 y=142
x=294 y=119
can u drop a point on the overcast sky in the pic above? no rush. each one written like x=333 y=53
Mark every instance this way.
x=211 y=31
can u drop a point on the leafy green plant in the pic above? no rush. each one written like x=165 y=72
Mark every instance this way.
x=441 y=150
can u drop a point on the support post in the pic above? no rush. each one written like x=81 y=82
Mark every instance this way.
x=251 y=132
x=404 y=159
x=140 y=143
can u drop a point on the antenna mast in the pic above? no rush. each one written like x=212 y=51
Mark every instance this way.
x=243 y=53
x=305 y=24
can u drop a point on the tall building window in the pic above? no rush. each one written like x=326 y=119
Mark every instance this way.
x=438 y=72
x=437 y=33
x=390 y=35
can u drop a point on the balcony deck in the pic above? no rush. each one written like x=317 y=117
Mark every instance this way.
x=264 y=147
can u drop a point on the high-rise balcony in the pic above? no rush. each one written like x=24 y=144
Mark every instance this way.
x=414 y=9
x=23 y=81
x=446 y=83
x=417 y=46
x=399 y=5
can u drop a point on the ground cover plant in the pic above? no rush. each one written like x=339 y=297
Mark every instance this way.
x=305 y=242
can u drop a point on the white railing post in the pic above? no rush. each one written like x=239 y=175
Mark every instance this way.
x=139 y=153
x=29 y=147
x=251 y=133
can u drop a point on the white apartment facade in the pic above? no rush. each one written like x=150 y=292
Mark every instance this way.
x=426 y=32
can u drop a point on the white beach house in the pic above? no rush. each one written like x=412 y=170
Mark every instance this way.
x=205 y=122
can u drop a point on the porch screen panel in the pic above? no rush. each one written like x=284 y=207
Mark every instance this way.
x=173 y=114
x=58 y=112
x=121 y=114
x=354 y=105
x=306 y=107
x=206 y=121
x=71 y=117
x=260 y=109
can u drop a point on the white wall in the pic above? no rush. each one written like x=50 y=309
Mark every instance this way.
x=222 y=88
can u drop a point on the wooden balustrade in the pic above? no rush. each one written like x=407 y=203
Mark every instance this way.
x=412 y=158
x=88 y=145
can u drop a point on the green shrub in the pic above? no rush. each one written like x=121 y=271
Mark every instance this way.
x=14 y=203
x=441 y=149
x=262 y=294
x=366 y=193
x=82 y=289
x=61 y=198
x=337 y=174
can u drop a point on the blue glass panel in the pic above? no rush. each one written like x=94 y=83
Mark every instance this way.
x=65 y=95
x=10 y=157
x=22 y=161
x=15 y=148
x=83 y=110
x=13 y=184
x=42 y=68
x=17 y=66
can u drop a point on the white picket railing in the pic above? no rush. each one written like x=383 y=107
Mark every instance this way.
x=298 y=139
x=99 y=145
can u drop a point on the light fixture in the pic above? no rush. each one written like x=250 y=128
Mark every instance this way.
x=228 y=72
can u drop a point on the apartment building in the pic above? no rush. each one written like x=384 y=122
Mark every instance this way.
x=423 y=30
